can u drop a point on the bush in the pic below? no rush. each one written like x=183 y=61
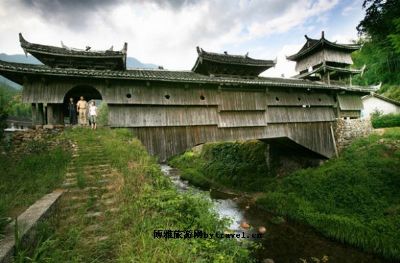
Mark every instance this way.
x=102 y=119
x=387 y=120
x=237 y=165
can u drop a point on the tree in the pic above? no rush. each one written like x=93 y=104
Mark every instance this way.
x=379 y=18
x=395 y=37
x=380 y=36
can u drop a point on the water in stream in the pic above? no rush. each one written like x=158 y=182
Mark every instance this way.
x=283 y=242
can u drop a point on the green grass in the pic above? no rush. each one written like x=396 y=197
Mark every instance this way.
x=28 y=176
x=354 y=199
x=147 y=201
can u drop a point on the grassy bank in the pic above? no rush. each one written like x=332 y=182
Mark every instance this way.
x=237 y=165
x=354 y=199
x=29 y=175
x=146 y=201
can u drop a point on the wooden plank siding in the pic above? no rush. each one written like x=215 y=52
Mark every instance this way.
x=321 y=56
x=161 y=95
x=282 y=98
x=300 y=114
x=169 y=141
x=241 y=100
x=241 y=118
x=159 y=116
x=350 y=102
x=54 y=92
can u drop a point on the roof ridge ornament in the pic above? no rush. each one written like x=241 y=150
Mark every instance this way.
x=23 y=43
x=64 y=46
x=22 y=39
x=125 y=48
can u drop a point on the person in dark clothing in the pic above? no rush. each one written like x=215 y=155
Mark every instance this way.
x=72 y=111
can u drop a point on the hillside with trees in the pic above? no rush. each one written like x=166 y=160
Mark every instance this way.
x=11 y=104
x=380 y=36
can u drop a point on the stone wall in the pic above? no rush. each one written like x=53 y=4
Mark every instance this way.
x=30 y=141
x=347 y=130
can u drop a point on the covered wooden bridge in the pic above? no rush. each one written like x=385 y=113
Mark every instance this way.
x=222 y=98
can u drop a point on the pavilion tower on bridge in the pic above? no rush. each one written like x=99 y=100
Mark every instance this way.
x=323 y=60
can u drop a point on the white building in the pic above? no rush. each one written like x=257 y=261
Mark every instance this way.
x=375 y=102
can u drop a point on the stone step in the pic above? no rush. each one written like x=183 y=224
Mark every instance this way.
x=79 y=197
x=113 y=210
x=93 y=214
x=86 y=189
x=110 y=175
x=95 y=240
x=70 y=180
x=107 y=195
x=73 y=207
x=93 y=228
x=69 y=184
x=90 y=157
x=103 y=181
x=109 y=201
x=91 y=170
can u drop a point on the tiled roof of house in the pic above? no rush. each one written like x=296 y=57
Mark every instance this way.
x=373 y=94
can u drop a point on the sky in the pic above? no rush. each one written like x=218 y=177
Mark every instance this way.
x=166 y=32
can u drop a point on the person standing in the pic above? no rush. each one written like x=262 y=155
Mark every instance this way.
x=72 y=111
x=93 y=115
x=81 y=107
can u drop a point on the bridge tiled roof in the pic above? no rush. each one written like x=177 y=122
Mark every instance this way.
x=313 y=45
x=330 y=68
x=70 y=57
x=226 y=64
x=234 y=59
x=16 y=71
x=67 y=51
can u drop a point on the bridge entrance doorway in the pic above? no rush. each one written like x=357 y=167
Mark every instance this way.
x=70 y=110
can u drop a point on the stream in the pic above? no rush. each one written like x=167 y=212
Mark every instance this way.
x=284 y=241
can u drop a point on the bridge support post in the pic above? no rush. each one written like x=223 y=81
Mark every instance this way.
x=40 y=116
x=54 y=114
x=34 y=114
x=267 y=155
x=50 y=114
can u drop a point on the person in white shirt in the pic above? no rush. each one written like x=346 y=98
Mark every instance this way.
x=93 y=115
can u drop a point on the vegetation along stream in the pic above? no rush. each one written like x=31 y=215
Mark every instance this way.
x=284 y=241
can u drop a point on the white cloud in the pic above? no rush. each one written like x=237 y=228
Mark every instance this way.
x=159 y=33
x=283 y=67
